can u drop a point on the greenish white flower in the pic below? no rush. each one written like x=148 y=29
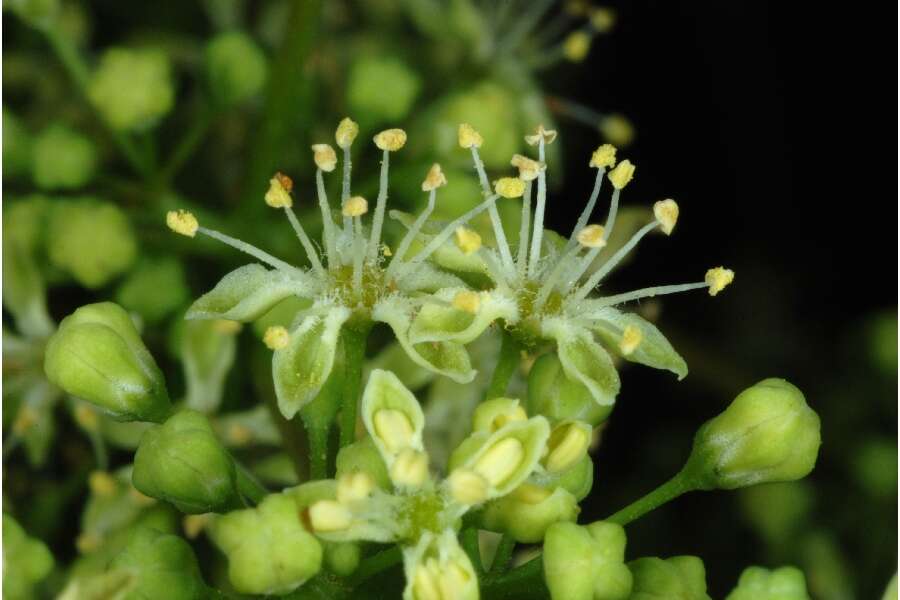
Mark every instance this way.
x=62 y=159
x=757 y=583
x=132 y=88
x=586 y=562
x=682 y=577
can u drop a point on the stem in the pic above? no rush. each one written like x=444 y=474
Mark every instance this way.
x=506 y=366
x=525 y=581
x=503 y=554
x=248 y=486
x=376 y=564
x=354 y=354
x=99 y=447
x=670 y=490
x=188 y=144
x=469 y=543
x=318 y=451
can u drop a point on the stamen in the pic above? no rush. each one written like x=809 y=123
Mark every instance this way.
x=311 y=252
x=380 y=203
x=324 y=157
x=183 y=222
x=522 y=259
x=328 y=228
x=718 y=278
x=650 y=292
x=589 y=208
x=538 y=230
x=551 y=280
x=610 y=264
x=248 y=248
x=346 y=132
x=467 y=301
x=407 y=240
x=496 y=223
x=666 y=212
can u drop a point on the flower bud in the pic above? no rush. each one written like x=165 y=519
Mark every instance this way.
x=382 y=88
x=26 y=560
x=62 y=159
x=438 y=569
x=552 y=394
x=363 y=456
x=756 y=583
x=97 y=354
x=586 y=563
x=155 y=565
x=682 y=577
x=269 y=550
x=182 y=462
x=767 y=434
x=131 y=88
x=527 y=512
x=493 y=414
x=235 y=68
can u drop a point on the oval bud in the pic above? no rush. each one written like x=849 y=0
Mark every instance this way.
x=586 y=563
x=757 y=583
x=182 y=462
x=235 y=68
x=527 y=512
x=767 y=434
x=552 y=394
x=682 y=577
x=132 y=89
x=97 y=354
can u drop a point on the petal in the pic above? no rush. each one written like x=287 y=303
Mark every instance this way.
x=584 y=360
x=445 y=358
x=448 y=255
x=301 y=368
x=392 y=416
x=426 y=278
x=249 y=292
x=442 y=322
x=654 y=349
x=437 y=567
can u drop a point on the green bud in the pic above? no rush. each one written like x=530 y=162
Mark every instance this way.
x=62 y=159
x=586 y=563
x=756 y=583
x=157 y=565
x=577 y=480
x=26 y=561
x=553 y=394
x=269 y=551
x=527 y=512
x=91 y=240
x=235 y=68
x=183 y=462
x=25 y=220
x=132 y=88
x=682 y=577
x=383 y=88
x=16 y=146
x=154 y=289
x=362 y=455
x=890 y=593
x=767 y=434
x=98 y=355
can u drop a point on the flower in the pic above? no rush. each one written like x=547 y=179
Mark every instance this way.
x=355 y=281
x=421 y=513
x=542 y=291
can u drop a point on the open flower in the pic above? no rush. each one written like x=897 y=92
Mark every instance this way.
x=542 y=289
x=422 y=514
x=356 y=281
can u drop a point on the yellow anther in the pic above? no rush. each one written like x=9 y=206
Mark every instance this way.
x=468 y=137
x=548 y=135
x=239 y=435
x=346 y=132
x=324 y=157
x=617 y=129
x=393 y=428
x=467 y=301
x=102 y=484
x=410 y=469
x=467 y=487
x=500 y=461
x=390 y=139
x=529 y=169
x=718 y=278
x=193 y=525
x=576 y=46
x=354 y=486
x=426 y=585
x=567 y=444
x=603 y=19
x=226 y=326
x=279 y=193
x=666 y=212
x=468 y=240
x=604 y=156
x=88 y=542
x=528 y=493
x=87 y=417
x=386 y=250
x=276 y=337
x=26 y=418
x=329 y=515
x=355 y=207
x=592 y=236
x=434 y=179
x=577 y=8
x=509 y=187
x=493 y=414
x=631 y=339
x=622 y=174
x=183 y=222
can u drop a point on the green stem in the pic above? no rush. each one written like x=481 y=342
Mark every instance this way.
x=99 y=447
x=188 y=144
x=469 y=542
x=354 y=354
x=318 y=451
x=248 y=486
x=506 y=366
x=525 y=581
x=376 y=564
x=503 y=554
x=670 y=490
x=78 y=72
